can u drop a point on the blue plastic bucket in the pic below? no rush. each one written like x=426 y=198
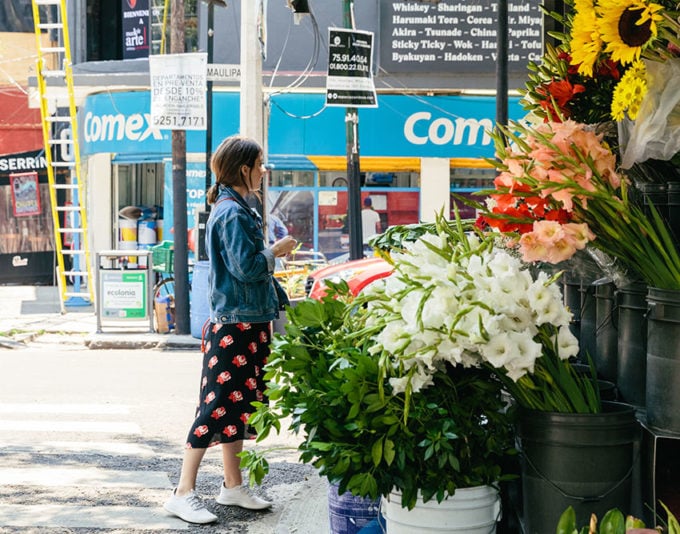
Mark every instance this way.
x=199 y=303
x=349 y=514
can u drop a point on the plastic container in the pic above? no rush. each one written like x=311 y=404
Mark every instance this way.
x=469 y=511
x=199 y=299
x=580 y=460
x=348 y=514
x=163 y=256
x=631 y=369
x=663 y=360
x=606 y=333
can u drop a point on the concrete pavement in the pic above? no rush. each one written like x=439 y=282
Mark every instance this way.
x=28 y=312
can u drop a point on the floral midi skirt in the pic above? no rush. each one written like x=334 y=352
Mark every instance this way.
x=232 y=378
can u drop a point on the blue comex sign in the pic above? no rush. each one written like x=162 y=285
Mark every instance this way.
x=401 y=126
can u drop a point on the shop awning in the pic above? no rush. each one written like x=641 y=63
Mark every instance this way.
x=290 y=162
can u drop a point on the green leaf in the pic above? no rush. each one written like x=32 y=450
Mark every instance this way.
x=613 y=522
x=377 y=452
x=567 y=522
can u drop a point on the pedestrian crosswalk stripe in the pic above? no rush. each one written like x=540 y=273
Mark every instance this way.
x=111 y=427
x=44 y=408
x=79 y=447
x=91 y=476
x=90 y=517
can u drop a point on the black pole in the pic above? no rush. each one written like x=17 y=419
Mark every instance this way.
x=179 y=192
x=209 y=104
x=356 y=247
x=502 y=65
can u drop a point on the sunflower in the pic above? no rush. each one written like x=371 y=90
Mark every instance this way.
x=628 y=27
x=586 y=43
x=629 y=92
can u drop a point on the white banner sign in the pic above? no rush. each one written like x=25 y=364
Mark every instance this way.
x=178 y=91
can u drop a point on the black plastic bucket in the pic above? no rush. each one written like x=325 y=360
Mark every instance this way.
x=653 y=194
x=587 y=340
x=606 y=333
x=663 y=359
x=632 y=343
x=674 y=210
x=580 y=460
x=572 y=299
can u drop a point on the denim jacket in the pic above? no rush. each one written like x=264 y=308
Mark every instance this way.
x=241 y=277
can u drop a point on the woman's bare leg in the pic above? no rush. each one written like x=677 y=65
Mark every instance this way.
x=231 y=462
x=190 y=464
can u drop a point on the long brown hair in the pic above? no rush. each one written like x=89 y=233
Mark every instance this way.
x=234 y=152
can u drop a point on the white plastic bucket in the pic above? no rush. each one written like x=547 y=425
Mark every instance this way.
x=146 y=232
x=129 y=245
x=128 y=231
x=469 y=511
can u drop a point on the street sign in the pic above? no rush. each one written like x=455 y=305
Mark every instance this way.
x=349 y=82
x=224 y=72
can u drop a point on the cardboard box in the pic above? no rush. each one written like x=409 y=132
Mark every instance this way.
x=164 y=314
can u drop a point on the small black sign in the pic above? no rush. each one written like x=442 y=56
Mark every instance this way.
x=349 y=82
x=135 y=28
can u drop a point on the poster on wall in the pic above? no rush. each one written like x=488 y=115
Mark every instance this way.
x=178 y=85
x=135 y=28
x=25 y=194
x=26 y=229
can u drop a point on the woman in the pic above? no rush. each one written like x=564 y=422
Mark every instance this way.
x=244 y=298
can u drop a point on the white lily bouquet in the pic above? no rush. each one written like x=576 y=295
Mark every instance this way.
x=458 y=296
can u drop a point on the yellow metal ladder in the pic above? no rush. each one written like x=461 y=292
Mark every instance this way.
x=55 y=85
x=159 y=23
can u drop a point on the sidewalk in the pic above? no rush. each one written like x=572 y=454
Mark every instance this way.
x=28 y=312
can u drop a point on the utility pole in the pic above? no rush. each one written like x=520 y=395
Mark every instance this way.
x=356 y=246
x=502 y=65
x=179 y=191
x=251 y=73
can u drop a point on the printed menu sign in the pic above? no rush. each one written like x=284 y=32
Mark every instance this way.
x=457 y=35
x=349 y=81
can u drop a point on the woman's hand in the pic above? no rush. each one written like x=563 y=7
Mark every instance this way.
x=283 y=246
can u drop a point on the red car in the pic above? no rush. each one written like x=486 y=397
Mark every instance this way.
x=357 y=273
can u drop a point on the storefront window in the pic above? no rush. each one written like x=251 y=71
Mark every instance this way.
x=370 y=179
x=295 y=209
x=394 y=208
x=292 y=178
x=466 y=181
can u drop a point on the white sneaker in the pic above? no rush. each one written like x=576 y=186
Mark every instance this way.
x=241 y=496
x=189 y=508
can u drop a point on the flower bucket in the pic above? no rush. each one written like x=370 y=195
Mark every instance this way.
x=469 y=511
x=587 y=332
x=349 y=514
x=606 y=340
x=580 y=460
x=674 y=211
x=632 y=343
x=199 y=311
x=663 y=360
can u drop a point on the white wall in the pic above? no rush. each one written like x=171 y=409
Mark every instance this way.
x=435 y=188
x=100 y=197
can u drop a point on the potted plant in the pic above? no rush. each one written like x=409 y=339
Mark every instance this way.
x=401 y=388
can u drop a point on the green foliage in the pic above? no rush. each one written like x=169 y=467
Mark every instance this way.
x=322 y=375
x=613 y=522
